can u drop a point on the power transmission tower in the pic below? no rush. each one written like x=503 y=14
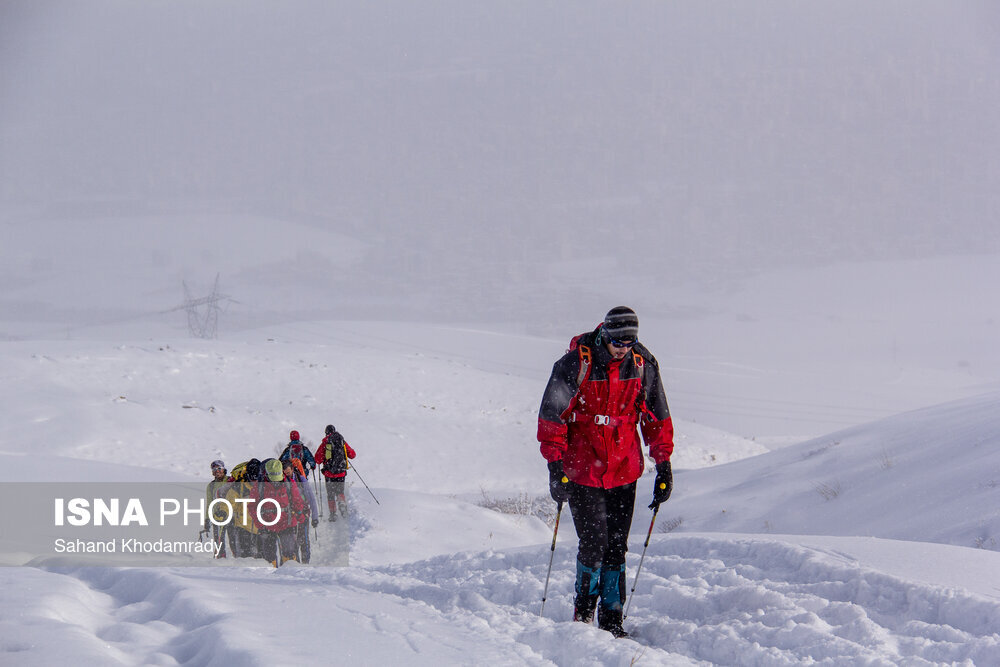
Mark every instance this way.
x=203 y=312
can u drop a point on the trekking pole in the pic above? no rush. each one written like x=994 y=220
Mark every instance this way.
x=555 y=531
x=324 y=494
x=355 y=469
x=634 y=582
x=319 y=500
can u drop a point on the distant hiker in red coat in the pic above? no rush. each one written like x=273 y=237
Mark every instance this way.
x=333 y=454
x=604 y=390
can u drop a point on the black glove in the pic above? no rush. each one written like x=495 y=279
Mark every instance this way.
x=663 y=485
x=315 y=522
x=559 y=487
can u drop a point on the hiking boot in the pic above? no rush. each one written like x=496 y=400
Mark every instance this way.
x=333 y=516
x=583 y=608
x=343 y=511
x=611 y=620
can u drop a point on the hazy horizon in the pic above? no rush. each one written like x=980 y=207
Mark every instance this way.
x=493 y=154
x=807 y=192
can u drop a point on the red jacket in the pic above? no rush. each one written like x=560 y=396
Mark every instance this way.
x=288 y=497
x=591 y=428
x=332 y=455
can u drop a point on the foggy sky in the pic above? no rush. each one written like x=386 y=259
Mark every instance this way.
x=481 y=148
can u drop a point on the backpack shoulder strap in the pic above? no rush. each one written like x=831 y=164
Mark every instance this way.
x=640 y=360
x=586 y=362
x=640 y=363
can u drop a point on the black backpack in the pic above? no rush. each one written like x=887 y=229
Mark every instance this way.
x=335 y=460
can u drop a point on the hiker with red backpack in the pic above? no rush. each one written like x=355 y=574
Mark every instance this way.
x=605 y=389
x=280 y=508
x=333 y=454
x=296 y=450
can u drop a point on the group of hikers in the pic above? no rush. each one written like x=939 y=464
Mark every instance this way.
x=277 y=531
x=602 y=393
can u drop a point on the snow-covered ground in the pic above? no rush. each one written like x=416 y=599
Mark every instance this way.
x=799 y=199
x=855 y=547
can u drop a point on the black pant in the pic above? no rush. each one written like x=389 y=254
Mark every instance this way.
x=302 y=541
x=602 y=518
x=335 y=494
x=269 y=546
x=275 y=546
x=288 y=544
x=247 y=545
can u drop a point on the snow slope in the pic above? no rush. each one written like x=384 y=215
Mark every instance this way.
x=437 y=579
x=932 y=474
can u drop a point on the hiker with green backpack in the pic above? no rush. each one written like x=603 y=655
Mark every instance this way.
x=333 y=455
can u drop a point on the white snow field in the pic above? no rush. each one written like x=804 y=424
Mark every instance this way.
x=859 y=547
x=409 y=208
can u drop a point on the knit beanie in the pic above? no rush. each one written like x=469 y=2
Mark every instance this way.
x=621 y=323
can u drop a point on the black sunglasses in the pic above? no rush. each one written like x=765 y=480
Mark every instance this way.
x=621 y=343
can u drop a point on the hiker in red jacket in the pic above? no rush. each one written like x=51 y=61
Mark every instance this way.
x=604 y=388
x=279 y=504
x=332 y=455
